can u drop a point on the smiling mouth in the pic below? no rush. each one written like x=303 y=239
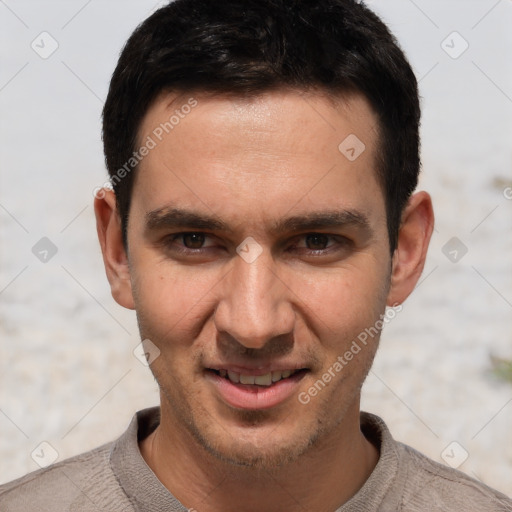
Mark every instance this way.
x=265 y=380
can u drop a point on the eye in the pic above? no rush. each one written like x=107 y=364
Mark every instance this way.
x=189 y=242
x=317 y=241
x=193 y=240
x=321 y=245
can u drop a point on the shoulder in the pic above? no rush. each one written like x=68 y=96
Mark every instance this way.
x=429 y=485
x=406 y=480
x=85 y=483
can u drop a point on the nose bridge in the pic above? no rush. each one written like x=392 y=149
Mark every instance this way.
x=254 y=306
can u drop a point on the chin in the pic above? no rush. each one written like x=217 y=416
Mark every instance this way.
x=254 y=445
x=247 y=454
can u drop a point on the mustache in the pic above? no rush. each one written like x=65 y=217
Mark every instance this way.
x=280 y=347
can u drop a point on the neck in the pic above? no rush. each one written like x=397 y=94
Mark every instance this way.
x=322 y=479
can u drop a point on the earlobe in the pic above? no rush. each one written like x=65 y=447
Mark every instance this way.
x=115 y=258
x=411 y=251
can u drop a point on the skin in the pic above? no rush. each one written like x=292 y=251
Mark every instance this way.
x=250 y=164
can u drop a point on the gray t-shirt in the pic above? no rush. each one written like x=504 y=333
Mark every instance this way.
x=115 y=478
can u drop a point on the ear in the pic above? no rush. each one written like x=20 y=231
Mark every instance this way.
x=115 y=258
x=411 y=251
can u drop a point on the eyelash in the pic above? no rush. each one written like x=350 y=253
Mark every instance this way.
x=341 y=241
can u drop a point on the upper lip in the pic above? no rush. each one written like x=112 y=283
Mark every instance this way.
x=257 y=370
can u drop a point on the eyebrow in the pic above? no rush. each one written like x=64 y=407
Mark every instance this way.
x=322 y=220
x=172 y=218
x=181 y=218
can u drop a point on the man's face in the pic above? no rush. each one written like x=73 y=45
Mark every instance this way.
x=287 y=302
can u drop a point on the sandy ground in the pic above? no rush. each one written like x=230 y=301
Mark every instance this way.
x=68 y=374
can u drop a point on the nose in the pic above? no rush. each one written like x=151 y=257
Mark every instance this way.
x=255 y=305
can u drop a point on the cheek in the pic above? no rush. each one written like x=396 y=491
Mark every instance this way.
x=344 y=303
x=169 y=300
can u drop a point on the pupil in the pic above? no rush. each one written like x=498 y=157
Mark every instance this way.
x=193 y=240
x=316 y=242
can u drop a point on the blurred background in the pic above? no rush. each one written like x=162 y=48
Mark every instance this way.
x=69 y=379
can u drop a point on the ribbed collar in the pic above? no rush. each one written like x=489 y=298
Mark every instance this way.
x=381 y=492
x=141 y=485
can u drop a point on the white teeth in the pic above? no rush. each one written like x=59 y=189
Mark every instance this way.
x=260 y=380
x=264 y=380
x=234 y=377
x=277 y=376
x=247 y=379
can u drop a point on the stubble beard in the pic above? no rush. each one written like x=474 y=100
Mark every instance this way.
x=245 y=454
x=239 y=453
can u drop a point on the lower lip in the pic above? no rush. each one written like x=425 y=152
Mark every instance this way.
x=253 y=397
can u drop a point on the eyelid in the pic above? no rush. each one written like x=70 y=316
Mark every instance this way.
x=180 y=235
x=331 y=237
x=297 y=241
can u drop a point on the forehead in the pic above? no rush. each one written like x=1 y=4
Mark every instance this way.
x=282 y=150
x=273 y=112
